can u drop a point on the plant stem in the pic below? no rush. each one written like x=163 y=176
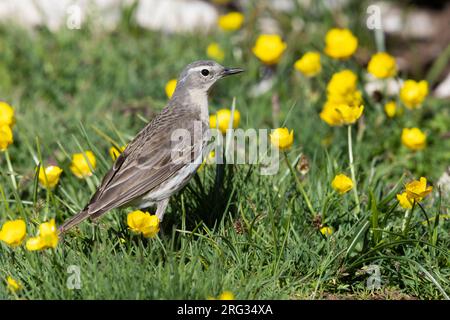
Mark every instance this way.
x=352 y=169
x=10 y=168
x=407 y=219
x=299 y=186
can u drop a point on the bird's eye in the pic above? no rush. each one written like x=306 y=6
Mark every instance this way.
x=205 y=72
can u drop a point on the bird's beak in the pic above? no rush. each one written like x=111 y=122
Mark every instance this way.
x=230 y=71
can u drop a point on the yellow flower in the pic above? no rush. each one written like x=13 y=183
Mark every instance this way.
x=143 y=222
x=413 y=93
x=350 y=114
x=47 y=237
x=49 y=176
x=390 y=109
x=342 y=82
x=214 y=51
x=342 y=184
x=340 y=114
x=226 y=295
x=417 y=190
x=115 y=153
x=13 y=285
x=340 y=43
x=269 y=48
x=170 y=87
x=330 y=115
x=414 y=138
x=6 y=114
x=382 y=65
x=81 y=167
x=231 y=21
x=404 y=201
x=326 y=231
x=351 y=98
x=6 y=137
x=282 y=139
x=13 y=232
x=223 y=117
x=309 y=64
x=341 y=89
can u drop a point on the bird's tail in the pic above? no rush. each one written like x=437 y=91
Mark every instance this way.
x=73 y=221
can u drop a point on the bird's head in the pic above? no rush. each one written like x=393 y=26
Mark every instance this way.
x=201 y=75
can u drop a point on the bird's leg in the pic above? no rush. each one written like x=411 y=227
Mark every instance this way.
x=161 y=208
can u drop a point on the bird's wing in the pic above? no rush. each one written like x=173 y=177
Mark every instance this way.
x=145 y=163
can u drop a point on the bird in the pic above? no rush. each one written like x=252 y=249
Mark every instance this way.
x=153 y=166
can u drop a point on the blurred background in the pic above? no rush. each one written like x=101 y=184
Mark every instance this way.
x=417 y=31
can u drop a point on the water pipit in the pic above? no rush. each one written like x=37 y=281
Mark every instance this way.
x=155 y=165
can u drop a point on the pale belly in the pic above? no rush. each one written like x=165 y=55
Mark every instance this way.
x=172 y=185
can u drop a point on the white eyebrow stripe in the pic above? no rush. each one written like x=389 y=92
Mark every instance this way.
x=198 y=68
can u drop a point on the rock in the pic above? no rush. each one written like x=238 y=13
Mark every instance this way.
x=164 y=15
x=415 y=23
x=443 y=89
x=444 y=183
x=176 y=15
x=372 y=85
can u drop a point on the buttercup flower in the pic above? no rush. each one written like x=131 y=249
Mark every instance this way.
x=49 y=176
x=404 y=201
x=414 y=139
x=6 y=114
x=231 y=21
x=6 y=137
x=214 y=51
x=282 y=139
x=330 y=115
x=12 y=284
x=349 y=114
x=309 y=64
x=142 y=222
x=351 y=98
x=340 y=114
x=342 y=184
x=114 y=153
x=342 y=82
x=81 y=167
x=221 y=120
x=170 y=87
x=47 y=237
x=269 y=48
x=13 y=232
x=413 y=93
x=340 y=43
x=226 y=295
x=342 y=88
x=382 y=65
x=390 y=109
x=326 y=231
x=417 y=190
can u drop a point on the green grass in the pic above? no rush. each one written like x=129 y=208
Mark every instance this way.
x=254 y=235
